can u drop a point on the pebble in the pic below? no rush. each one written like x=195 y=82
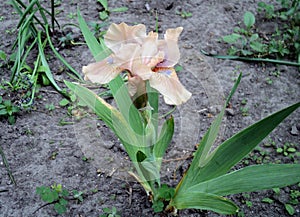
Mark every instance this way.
x=294 y=131
x=230 y=112
x=147 y=6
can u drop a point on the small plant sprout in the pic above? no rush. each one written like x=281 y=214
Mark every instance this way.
x=8 y=109
x=78 y=195
x=110 y=212
x=54 y=195
x=58 y=196
x=184 y=14
x=105 y=13
x=50 y=107
x=149 y=63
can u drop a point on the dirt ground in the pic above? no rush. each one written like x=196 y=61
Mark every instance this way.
x=41 y=151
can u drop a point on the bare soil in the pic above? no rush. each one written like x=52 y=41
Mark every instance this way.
x=41 y=151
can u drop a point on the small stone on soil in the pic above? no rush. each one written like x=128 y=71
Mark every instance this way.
x=294 y=131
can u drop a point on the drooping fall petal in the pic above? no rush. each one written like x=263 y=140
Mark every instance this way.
x=101 y=72
x=118 y=34
x=167 y=83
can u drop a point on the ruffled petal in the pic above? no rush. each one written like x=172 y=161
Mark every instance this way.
x=167 y=83
x=141 y=70
x=173 y=34
x=118 y=34
x=127 y=55
x=150 y=50
x=136 y=86
x=101 y=72
x=170 y=46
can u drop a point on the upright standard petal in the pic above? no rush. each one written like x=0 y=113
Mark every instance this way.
x=101 y=72
x=170 y=46
x=118 y=34
x=127 y=55
x=166 y=82
x=150 y=49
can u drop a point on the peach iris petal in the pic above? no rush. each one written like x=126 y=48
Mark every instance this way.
x=136 y=85
x=127 y=55
x=170 y=46
x=101 y=72
x=149 y=48
x=118 y=34
x=167 y=83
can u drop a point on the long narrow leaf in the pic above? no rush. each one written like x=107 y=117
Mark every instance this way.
x=201 y=155
x=153 y=97
x=234 y=149
x=27 y=11
x=7 y=166
x=109 y=115
x=127 y=108
x=247 y=59
x=204 y=201
x=59 y=56
x=115 y=121
x=210 y=137
x=43 y=15
x=45 y=63
x=99 y=51
x=164 y=139
x=252 y=178
x=17 y=8
x=23 y=37
x=237 y=147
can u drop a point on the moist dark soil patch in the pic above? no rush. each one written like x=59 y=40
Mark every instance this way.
x=41 y=151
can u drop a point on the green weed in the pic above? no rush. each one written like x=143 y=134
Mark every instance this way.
x=8 y=109
x=58 y=196
x=54 y=195
x=110 y=212
x=249 y=40
x=33 y=35
x=104 y=14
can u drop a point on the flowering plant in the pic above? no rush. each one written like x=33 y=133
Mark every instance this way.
x=148 y=63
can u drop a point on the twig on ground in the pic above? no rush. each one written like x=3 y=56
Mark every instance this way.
x=7 y=166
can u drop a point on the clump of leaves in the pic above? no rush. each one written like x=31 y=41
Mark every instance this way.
x=54 y=195
x=163 y=195
x=59 y=196
x=184 y=14
x=8 y=109
x=245 y=41
x=288 y=149
x=34 y=34
x=283 y=42
x=293 y=200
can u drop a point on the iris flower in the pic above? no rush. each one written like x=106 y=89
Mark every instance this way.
x=144 y=57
